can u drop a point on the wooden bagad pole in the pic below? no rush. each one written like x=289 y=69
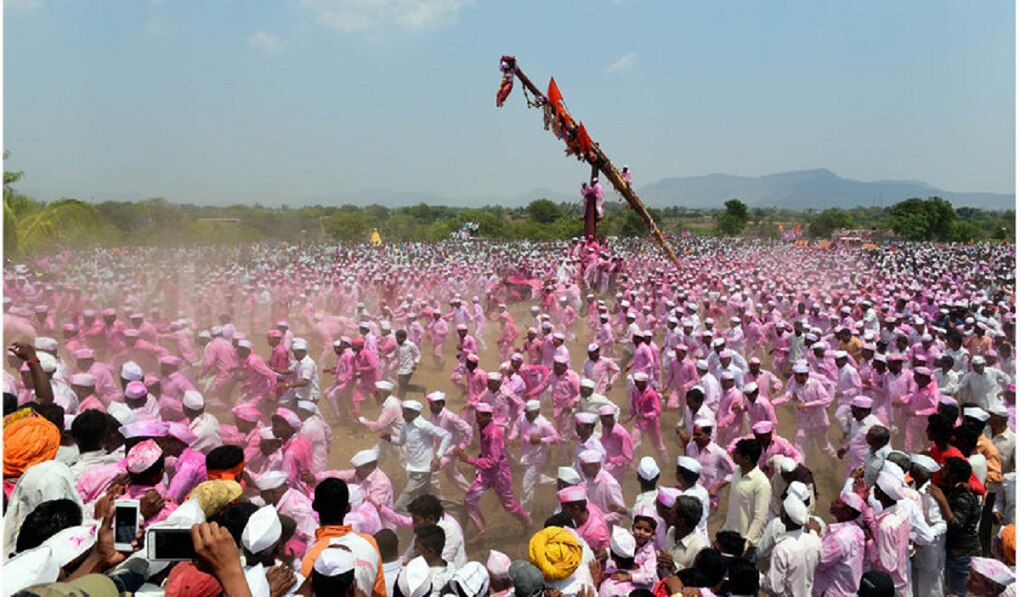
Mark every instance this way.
x=604 y=165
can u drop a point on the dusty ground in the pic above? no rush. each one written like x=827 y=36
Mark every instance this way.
x=504 y=532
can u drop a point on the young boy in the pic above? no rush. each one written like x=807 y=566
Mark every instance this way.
x=429 y=541
x=388 y=544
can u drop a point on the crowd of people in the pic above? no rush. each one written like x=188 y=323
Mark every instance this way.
x=330 y=419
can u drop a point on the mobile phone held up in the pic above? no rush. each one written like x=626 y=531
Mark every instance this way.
x=126 y=519
x=170 y=544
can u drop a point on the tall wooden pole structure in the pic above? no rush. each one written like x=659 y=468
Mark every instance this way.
x=576 y=138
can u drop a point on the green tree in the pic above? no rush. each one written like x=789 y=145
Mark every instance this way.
x=36 y=227
x=920 y=219
x=965 y=232
x=31 y=226
x=825 y=223
x=631 y=224
x=732 y=221
x=543 y=211
x=348 y=226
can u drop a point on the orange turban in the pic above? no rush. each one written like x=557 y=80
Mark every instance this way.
x=28 y=442
x=187 y=579
x=1009 y=544
x=555 y=552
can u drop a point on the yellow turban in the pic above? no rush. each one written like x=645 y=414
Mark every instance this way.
x=28 y=442
x=555 y=552
x=213 y=496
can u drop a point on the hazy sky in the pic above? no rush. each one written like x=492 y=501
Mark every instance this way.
x=287 y=101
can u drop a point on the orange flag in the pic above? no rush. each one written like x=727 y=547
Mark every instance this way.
x=583 y=140
x=556 y=99
x=554 y=95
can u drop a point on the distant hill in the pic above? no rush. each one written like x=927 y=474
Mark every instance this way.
x=803 y=189
x=799 y=190
x=391 y=199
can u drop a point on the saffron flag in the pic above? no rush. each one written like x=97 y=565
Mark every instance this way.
x=556 y=99
x=583 y=140
x=554 y=95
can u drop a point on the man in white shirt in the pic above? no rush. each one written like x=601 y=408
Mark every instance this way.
x=796 y=554
x=418 y=437
x=946 y=377
x=929 y=561
x=683 y=541
x=388 y=545
x=982 y=385
x=688 y=475
x=389 y=422
x=750 y=493
x=201 y=423
x=305 y=382
x=1003 y=439
x=427 y=510
x=408 y=359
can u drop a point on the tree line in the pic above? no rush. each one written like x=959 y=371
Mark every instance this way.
x=32 y=226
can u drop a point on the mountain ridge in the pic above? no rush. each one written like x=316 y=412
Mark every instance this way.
x=818 y=188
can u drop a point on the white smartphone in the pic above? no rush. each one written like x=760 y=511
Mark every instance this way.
x=126 y=518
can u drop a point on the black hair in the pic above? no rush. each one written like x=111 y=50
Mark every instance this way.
x=690 y=477
x=731 y=543
x=560 y=519
x=54 y=413
x=10 y=403
x=965 y=438
x=688 y=509
x=950 y=411
x=697 y=393
x=749 y=448
x=941 y=427
x=224 y=458
x=426 y=506
x=880 y=433
x=959 y=468
x=235 y=517
x=743 y=577
x=649 y=484
x=332 y=585
x=388 y=544
x=89 y=430
x=332 y=500
x=713 y=564
x=693 y=577
x=288 y=526
x=431 y=537
x=48 y=519
x=876 y=583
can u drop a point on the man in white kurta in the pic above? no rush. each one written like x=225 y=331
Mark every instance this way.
x=795 y=555
x=202 y=424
